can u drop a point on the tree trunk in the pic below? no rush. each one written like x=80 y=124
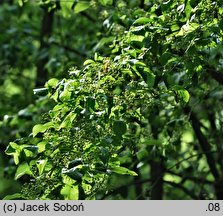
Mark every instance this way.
x=142 y=4
x=219 y=189
x=156 y=164
x=137 y=180
x=157 y=172
x=46 y=31
x=6 y=1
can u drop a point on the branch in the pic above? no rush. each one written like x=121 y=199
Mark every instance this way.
x=67 y=48
x=118 y=189
x=185 y=159
x=192 y=178
x=185 y=190
x=205 y=145
x=86 y=15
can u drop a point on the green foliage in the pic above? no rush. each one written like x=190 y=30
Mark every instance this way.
x=146 y=91
x=81 y=6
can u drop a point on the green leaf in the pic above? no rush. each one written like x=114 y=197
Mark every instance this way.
x=88 y=61
x=73 y=173
x=41 y=146
x=174 y=27
x=90 y=103
x=106 y=2
x=123 y=171
x=70 y=192
x=30 y=151
x=187 y=28
x=52 y=83
x=15 y=196
x=188 y=9
x=104 y=154
x=81 y=6
x=142 y=20
x=23 y=169
x=100 y=166
x=74 y=163
x=103 y=42
x=149 y=77
x=183 y=95
x=67 y=122
x=14 y=149
x=21 y=2
x=41 y=165
x=136 y=38
x=41 y=128
x=142 y=154
x=119 y=128
x=65 y=95
x=165 y=58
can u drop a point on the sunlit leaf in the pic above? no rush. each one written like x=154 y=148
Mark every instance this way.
x=81 y=6
x=106 y=2
x=52 y=83
x=142 y=20
x=70 y=192
x=88 y=61
x=183 y=95
x=123 y=171
x=14 y=149
x=41 y=128
x=67 y=122
x=41 y=165
x=23 y=169
x=65 y=95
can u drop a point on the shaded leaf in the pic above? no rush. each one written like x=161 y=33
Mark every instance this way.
x=119 y=128
x=73 y=173
x=74 y=163
x=15 y=196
